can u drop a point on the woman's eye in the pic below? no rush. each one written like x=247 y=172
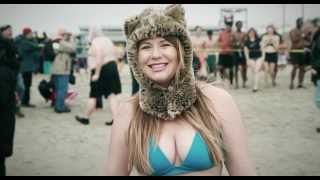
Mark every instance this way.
x=145 y=47
x=165 y=45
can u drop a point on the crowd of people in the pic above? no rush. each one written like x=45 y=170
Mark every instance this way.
x=58 y=57
x=239 y=52
x=20 y=59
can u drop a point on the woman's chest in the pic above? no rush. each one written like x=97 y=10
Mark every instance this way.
x=176 y=141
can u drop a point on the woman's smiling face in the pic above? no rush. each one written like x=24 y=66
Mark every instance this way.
x=158 y=60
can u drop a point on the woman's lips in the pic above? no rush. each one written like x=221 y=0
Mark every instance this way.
x=158 y=67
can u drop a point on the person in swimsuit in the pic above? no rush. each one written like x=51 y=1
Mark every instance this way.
x=239 y=57
x=198 y=43
x=173 y=126
x=211 y=59
x=297 y=55
x=254 y=56
x=226 y=61
x=270 y=43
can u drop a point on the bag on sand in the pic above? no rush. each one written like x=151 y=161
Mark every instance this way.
x=45 y=89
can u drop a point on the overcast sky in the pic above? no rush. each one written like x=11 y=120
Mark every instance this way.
x=46 y=17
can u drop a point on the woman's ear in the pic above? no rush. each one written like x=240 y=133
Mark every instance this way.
x=130 y=24
x=176 y=11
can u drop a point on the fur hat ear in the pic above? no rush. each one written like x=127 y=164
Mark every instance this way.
x=176 y=11
x=130 y=25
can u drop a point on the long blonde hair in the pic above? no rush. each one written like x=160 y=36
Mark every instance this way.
x=199 y=116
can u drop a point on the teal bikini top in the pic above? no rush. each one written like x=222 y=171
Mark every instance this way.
x=197 y=159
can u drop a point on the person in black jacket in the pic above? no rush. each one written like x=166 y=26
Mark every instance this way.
x=9 y=67
x=316 y=64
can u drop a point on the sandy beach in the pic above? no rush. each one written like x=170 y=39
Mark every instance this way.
x=281 y=127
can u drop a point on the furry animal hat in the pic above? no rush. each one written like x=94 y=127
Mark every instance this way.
x=165 y=103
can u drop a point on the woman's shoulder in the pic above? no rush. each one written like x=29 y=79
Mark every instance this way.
x=211 y=88
x=223 y=103
x=215 y=93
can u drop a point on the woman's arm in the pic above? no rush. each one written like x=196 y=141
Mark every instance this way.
x=234 y=136
x=246 y=53
x=238 y=162
x=277 y=43
x=263 y=49
x=263 y=43
x=118 y=159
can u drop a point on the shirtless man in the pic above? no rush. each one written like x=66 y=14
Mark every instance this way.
x=297 y=58
x=226 y=61
x=238 y=38
x=198 y=44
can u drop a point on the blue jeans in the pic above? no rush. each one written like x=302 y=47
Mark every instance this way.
x=20 y=86
x=61 y=83
x=317 y=98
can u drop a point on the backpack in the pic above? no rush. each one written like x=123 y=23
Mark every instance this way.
x=45 y=89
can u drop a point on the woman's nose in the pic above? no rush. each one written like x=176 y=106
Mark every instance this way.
x=156 y=54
